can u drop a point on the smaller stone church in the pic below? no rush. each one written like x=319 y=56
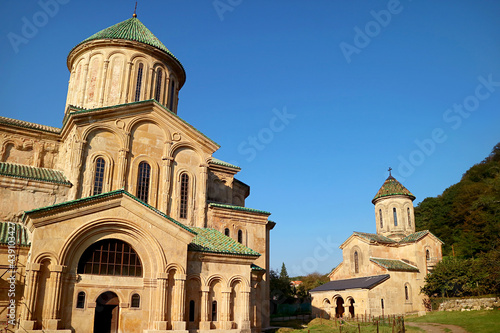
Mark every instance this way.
x=381 y=273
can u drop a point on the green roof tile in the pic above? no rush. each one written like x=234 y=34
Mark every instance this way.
x=256 y=268
x=21 y=234
x=106 y=195
x=375 y=237
x=33 y=173
x=392 y=187
x=219 y=162
x=131 y=29
x=26 y=124
x=213 y=241
x=394 y=265
x=244 y=209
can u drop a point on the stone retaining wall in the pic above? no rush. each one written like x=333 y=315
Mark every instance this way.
x=467 y=304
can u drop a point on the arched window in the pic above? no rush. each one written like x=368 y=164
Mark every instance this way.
x=214 y=311
x=138 y=83
x=356 y=262
x=407 y=296
x=409 y=216
x=143 y=177
x=240 y=236
x=191 y=310
x=99 y=176
x=110 y=257
x=427 y=255
x=80 y=300
x=159 y=76
x=226 y=232
x=135 y=301
x=171 y=95
x=381 y=220
x=395 y=217
x=184 y=196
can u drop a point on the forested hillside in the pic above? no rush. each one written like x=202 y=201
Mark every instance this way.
x=467 y=214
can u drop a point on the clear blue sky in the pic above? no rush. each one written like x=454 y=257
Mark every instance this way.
x=363 y=85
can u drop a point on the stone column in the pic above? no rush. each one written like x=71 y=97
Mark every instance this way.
x=202 y=196
x=161 y=313
x=245 y=308
x=51 y=320
x=166 y=168
x=122 y=168
x=226 y=309
x=28 y=322
x=77 y=162
x=127 y=83
x=180 y=302
x=84 y=83
x=103 y=82
x=205 y=308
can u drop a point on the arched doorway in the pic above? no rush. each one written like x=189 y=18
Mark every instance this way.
x=106 y=313
x=339 y=309
x=351 y=307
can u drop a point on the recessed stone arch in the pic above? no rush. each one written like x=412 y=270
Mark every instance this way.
x=145 y=244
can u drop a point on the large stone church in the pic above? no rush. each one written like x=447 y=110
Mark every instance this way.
x=122 y=220
x=381 y=273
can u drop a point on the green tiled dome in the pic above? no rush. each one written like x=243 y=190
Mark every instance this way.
x=131 y=29
x=392 y=187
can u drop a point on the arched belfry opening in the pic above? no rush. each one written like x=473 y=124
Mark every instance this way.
x=106 y=313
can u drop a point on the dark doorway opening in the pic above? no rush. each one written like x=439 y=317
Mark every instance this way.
x=351 y=308
x=339 y=309
x=106 y=313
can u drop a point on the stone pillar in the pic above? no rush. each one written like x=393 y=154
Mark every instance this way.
x=161 y=312
x=179 y=324
x=27 y=321
x=202 y=196
x=149 y=84
x=124 y=98
x=166 y=172
x=245 y=308
x=122 y=168
x=84 y=81
x=205 y=308
x=226 y=309
x=51 y=315
x=77 y=162
x=103 y=82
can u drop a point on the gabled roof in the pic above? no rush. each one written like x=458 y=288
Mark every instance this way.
x=394 y=265
x=392 y=187
x=131 y=29
x=257 y=268
x=244 y=209
x=375 y=237
x=26 y=124
x=33 y=173
x=20 y=234
x=212 y=241
x=79 y=111
x=102 y=196
x=367 y=282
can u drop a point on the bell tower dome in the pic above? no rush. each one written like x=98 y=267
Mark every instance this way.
x=394 y=210
x=121 y=64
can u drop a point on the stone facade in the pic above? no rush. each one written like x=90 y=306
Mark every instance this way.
x=397 y=257
x=132 y=225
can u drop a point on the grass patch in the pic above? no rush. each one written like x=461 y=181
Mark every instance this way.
x=485 y=321
x=328 y=326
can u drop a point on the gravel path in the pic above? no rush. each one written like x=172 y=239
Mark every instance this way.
x=436 y=328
